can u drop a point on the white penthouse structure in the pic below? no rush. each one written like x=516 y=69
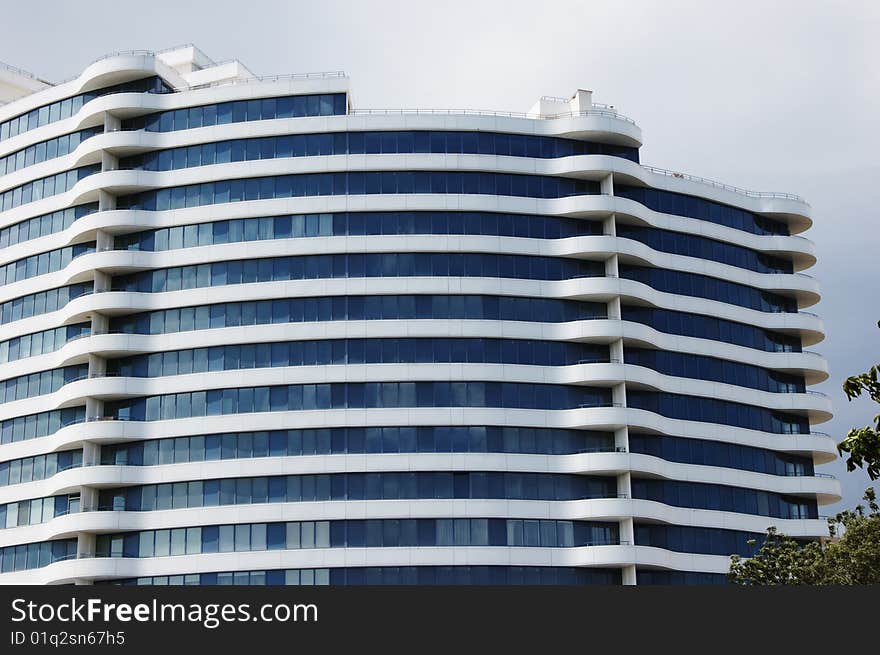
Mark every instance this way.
x=251 y=334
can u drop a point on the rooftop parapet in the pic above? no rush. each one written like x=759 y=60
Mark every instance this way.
x=581 y=101
x=16 y=83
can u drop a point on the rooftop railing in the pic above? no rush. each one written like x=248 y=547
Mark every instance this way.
x=110 y=55
x=142 y=53
x=154 y=53
x=555 y=99
x=721 y=185
x=597 y=110
x=21 y=72
x=324 y=75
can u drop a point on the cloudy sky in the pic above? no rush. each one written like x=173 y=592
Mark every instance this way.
x=781 y=96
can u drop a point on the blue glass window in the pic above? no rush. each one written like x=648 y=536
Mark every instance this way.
x=366 y=395
x=711 y=410
x=43 y=424
x=692 y=245
x=724 y=498
x=708 y=541
x=359 y=351
x=709 y=327
x=344 y=143
x=42 y=302
x=718 y=370
x=368 y=533
x=38 y=343
x=720 y=453
x=45 y=187
x=354 y=183
x=35 y=555
x=46 y=150
x=38 y=467
x=360 y=223
x=47 y=262
x=707 y=210
x=41 y=383
x=40 y=226
x=702 y=286
x=239 y=111
x=387 y=439
x=357 y=265
x=341 y=308
x=358 y=486
x=66 y=108
x=36 y=510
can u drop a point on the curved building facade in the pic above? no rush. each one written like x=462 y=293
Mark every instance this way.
x=250 y=334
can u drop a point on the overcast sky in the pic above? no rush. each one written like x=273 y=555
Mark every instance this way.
x=781 y=96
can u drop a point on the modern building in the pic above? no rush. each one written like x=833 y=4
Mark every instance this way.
x=252 y=334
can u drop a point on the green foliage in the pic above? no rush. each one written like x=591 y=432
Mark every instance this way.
x=851 y=559
x=863 y=444
x=781 y=561
x=852 y=554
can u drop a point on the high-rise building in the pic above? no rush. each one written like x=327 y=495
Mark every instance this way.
x=253 y=334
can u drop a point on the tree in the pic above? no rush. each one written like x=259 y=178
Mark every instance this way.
x=852 y=556
x=863 y=444
x=851 y=559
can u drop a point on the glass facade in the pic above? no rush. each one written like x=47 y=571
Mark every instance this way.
x=46 y=150
x=240 y=111
x=37 y=510
x=358 y=351
x=720 y=453
x=332 y=381
x=724 y=498
x=45 y=187
x=359 y=143
x=357 y=308
x=41 y=226
x=703 y=286
x=681 y=204
x=357 y=440
x=40 y=343
x=38 y=467
x=358 y=395
x=692 y=245
x=42 y=302
x=35 y=555
x=709 y=327
x=47 y=262
x=705 y=541
x=354 y=265
x=712 y=410
x=411 y=485
x=62 y=109
x=43 y=424
x=357 y=533
x=356 y=224
x=38 y=384
x=356 y=184
x=715 y=369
